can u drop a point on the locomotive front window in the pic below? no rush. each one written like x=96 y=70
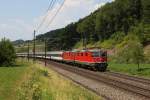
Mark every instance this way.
x=99 y=54
x=96 y=54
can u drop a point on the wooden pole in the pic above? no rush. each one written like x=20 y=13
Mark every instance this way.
x=45 y=52
x=34 y=46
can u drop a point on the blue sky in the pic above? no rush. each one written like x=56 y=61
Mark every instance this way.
x=19 y=18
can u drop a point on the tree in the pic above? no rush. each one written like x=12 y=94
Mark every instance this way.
x=136 y=52
x=145 y=11
x=87 y=28
x=142 y=30
x=105 y=21
x=7 y=53
x=131 y=51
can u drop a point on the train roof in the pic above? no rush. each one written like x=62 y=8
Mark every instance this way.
x=61 y=52
x=88 y=50
x=48 y=52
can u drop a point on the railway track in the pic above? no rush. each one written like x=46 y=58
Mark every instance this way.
x=103 y=78
x=133 y=78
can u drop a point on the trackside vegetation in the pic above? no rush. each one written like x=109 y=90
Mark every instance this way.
x=131 y=69
x=28 y=81
x=7 y=53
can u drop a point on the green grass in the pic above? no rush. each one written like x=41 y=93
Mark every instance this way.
x=131 y=69
x=9 y=78
x=46 y=84
x=28 y=81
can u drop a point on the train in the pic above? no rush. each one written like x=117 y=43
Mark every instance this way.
x=94 y=59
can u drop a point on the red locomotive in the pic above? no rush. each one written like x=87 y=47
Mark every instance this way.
x=89 y=58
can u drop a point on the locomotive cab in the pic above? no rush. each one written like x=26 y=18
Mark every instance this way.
x=100 y=60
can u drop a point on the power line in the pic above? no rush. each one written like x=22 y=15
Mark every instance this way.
x=56 y=13
x=45 y=17
x=49 y=7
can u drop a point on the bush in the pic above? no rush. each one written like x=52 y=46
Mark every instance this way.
x=7 y=53
x=113 y=40
x=147 y=55
x=45 y=72
x=130 y=51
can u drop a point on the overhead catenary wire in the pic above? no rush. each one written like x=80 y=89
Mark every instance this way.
x=46 y=16
x=58 y=10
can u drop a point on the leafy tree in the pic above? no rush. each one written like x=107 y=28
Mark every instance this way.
x=142 y=32
x=131 y=51
x=105 y=21
x=118 y=37
x=62 y=39
x=145 y=11
x=147 y=55
x=87 y=28
x=7 y=53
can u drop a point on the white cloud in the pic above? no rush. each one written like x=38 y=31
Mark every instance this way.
x=72 y=11
x=15 y=29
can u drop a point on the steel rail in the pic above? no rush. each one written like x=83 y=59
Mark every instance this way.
x=115 y=83
x=133 y=78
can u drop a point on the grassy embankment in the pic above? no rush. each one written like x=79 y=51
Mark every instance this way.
x=28 y=81
x=131 y=69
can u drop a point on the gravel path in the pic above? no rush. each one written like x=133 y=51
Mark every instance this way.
x=101 y=89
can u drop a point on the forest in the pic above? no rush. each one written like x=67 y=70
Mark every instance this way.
x=110 y=23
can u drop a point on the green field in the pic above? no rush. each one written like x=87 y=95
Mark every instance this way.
x=9 y=79
x=27 y=81
x=24 y=47
x=131 y=69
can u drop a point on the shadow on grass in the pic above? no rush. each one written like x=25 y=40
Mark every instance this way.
x=144 y=69
x=13 y=65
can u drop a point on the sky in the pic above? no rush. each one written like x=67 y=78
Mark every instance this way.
x=19 y=18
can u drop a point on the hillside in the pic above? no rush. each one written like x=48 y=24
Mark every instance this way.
x=102 y=28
